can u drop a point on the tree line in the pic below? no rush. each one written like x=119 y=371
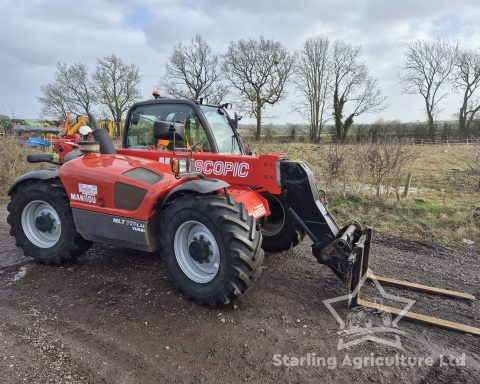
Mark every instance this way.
x=333 y=84
x=436 y=69
x=330 y=77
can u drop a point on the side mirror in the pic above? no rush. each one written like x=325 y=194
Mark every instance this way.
x=165 y=130
x=237 y=119
x=228 y=106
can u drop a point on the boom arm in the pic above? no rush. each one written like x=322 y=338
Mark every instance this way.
x=332 y=246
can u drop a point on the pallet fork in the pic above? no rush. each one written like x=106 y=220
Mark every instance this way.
x=346 y=251
x=360 y=273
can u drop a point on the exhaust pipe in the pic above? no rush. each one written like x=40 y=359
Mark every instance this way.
x=101 y=136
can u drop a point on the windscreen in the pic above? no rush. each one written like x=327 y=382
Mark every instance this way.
x=223 y=132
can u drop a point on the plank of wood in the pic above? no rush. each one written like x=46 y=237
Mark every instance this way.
x=421 y=287
x=430 y=320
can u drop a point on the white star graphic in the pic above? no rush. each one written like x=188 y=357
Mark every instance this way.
x=369 y=332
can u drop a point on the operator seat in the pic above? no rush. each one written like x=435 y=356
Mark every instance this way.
x=168 y=144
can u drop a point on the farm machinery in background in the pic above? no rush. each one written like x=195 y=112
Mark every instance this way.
x=59 y=140
x=72 y=133
x=183 y=185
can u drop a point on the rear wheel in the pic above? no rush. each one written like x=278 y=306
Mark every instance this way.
x=280 y=232
x=41 y=221
x=211 y=247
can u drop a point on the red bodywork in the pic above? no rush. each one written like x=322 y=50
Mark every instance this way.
x=102 y=172
x=259 y=173
x=64 y=145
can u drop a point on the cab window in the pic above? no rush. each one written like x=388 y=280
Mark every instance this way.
x=142 y=119
x=226 y=140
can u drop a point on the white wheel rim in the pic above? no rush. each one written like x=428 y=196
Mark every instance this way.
x=35 y=214
x=186 y=234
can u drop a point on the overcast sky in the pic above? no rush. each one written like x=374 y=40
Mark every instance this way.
x=35 y=35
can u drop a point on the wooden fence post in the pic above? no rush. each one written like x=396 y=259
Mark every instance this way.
x=407 y=184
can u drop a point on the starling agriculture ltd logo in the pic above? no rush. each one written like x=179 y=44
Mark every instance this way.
x=367 y=324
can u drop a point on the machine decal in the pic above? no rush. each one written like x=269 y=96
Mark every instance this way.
x=87 y=193
x=222 y=168
x=164 y=160
x=135 y=225
x=87 y=189
x=121 y=231
x=83 y=198
x=258 y=211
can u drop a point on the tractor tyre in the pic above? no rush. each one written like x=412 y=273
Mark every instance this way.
x=42 y=223
x=280 y=231
x=211 y=247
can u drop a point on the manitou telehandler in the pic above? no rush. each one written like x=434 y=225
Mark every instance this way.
x=182 y=185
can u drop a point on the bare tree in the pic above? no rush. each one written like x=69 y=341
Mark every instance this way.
x=193 y=71
x=338 y=166
x=71 y=90
x=312 y=76
x=117 y=85
x=425 y=71
x=53 y=101
x=467 y=81
x=355 y=92
x=259 y=69
x=386 y=162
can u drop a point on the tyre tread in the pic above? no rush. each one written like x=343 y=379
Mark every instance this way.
x=242 y=240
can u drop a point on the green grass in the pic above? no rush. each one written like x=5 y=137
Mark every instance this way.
x=428 y=218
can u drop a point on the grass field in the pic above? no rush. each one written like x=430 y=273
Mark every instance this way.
x=446 y=207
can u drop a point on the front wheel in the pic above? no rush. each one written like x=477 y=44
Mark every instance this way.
x=211 y=247
x=42 y=223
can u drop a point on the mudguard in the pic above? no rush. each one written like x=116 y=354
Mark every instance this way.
x=255 y=204
x=39 y=174
x=201 y=186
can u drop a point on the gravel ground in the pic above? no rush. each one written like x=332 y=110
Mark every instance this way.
x=113 y=317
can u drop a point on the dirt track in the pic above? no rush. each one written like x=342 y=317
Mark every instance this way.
x=114 y=317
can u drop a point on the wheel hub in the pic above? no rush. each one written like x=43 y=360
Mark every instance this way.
x=45 y=223
x=199 y=250
x=41 y=224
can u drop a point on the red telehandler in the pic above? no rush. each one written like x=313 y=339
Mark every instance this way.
x=182 y=184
